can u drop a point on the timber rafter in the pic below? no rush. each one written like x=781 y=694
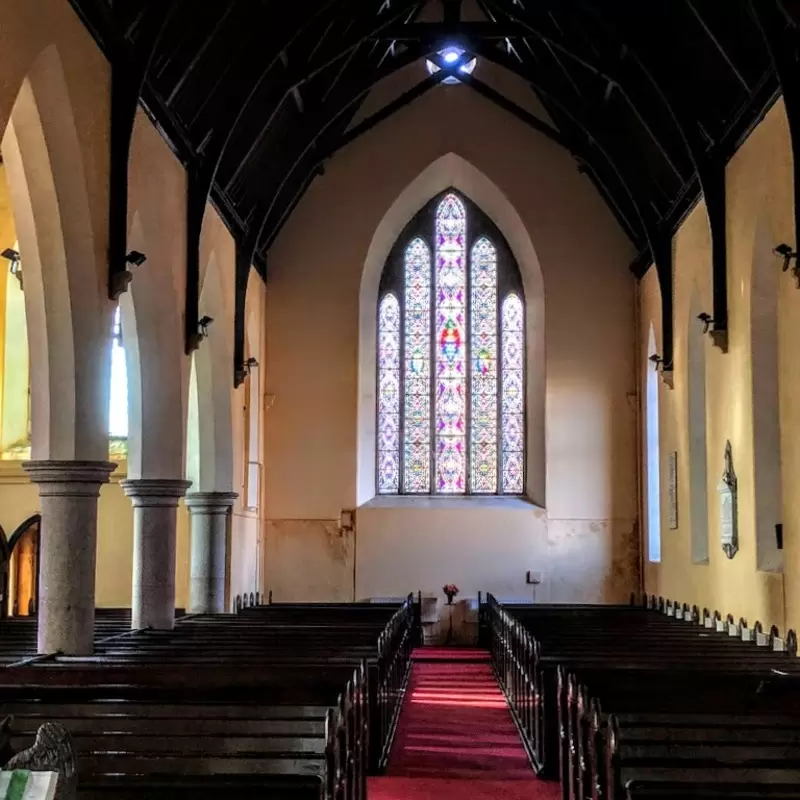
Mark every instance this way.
x=256 y=96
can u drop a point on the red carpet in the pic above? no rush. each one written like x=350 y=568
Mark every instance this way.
x=456 y=739
x=450 y=654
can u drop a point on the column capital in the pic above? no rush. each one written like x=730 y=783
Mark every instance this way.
x=210 y=502
x=155 y=491
x=72 y=478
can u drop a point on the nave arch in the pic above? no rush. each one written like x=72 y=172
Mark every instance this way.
x=67 y=311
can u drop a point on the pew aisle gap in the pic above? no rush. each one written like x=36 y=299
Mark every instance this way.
x=455 y=739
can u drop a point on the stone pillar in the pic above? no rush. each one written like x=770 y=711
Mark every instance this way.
x=210 y=512
x=68 y=491
x=155 y=517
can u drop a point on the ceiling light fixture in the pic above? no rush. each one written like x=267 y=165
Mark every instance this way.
x=450 y=55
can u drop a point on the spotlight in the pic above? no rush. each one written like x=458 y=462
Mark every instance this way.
x=135 y=258
x=706 y=319
x=786 y=253
x=203 y=325
x=657 y=361
x=15 y=266
x=250 y=365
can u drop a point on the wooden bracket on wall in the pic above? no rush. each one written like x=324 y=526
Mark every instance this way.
x=243 y=261
x=124 y=101
x=196 y=196
x=712 y=180
x=129 y=66
x=782 y=38
x=661 y=249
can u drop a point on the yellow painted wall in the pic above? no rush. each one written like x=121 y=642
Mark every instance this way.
x=585 y=542
x=157 y=185
x=759 y=195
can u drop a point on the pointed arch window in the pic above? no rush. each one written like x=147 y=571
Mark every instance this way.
x=451 y=358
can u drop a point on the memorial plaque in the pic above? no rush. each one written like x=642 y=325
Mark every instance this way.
x=672 y=490
x=729 y=530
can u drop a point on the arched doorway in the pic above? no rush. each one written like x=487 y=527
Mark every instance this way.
x=23 y=569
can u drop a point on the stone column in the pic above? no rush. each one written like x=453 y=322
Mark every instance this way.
x=155 y=517
x=68 y=491
x=210 y=512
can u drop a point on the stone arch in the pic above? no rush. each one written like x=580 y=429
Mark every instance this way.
x=451 y=170
x=764 y=289
x=697 y=419
x=65 y=303
x=210 y=433
x=152 y=331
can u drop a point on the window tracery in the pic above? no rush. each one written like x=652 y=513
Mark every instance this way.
x=451 y=359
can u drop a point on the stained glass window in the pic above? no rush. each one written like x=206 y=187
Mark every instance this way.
x=417 y=369
x=513 y=393
x=451 y=353
x=451 y=401
x=389 y=395
x=484 y=367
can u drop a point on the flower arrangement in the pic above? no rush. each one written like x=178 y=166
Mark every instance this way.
x=451 y=590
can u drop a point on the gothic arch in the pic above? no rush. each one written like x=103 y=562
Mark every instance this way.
x=451 y=170
x=65 y=301
x=210 y=436
x=152 y=332
x=697 y=418
x=764 y=290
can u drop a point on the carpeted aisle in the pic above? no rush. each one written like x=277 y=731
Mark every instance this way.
x=456 y=739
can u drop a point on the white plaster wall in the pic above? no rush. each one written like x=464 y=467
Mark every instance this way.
x=585 y=540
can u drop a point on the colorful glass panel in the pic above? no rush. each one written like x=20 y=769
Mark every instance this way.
x=451 y=344
x=483 y=334
x=513 y=395
x=389 y=395
x=417 y=369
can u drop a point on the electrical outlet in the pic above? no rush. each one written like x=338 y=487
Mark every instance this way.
x=533 y=577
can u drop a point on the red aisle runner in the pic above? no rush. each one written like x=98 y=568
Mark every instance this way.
x=456 y=740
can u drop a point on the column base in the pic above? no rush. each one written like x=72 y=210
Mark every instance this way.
x=155 y=511
x=68 y=491
x=210 y=512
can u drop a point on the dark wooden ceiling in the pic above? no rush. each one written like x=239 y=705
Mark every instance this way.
x=651 y=98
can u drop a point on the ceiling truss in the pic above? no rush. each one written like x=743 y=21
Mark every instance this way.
x=255 y=96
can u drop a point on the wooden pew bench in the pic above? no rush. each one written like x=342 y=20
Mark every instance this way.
x=692 y=730
x=763 y=759
x=178 y=734
x=585 y=706
x=677 y=790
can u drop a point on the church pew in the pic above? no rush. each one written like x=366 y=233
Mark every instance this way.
x=571 y=632
x=337 y=756
x=248 y=660
x=678 y=790
x=667 y=701
x=18 y=640
x=751 y=763
x=640 y=650
x=692 y=730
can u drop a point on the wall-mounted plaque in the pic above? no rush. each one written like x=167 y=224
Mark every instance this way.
x=728 y=516
x=672 y=490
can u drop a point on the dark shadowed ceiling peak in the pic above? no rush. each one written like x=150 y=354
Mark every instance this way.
x=260 y=93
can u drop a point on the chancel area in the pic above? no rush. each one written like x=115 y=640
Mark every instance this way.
x=399 y=396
